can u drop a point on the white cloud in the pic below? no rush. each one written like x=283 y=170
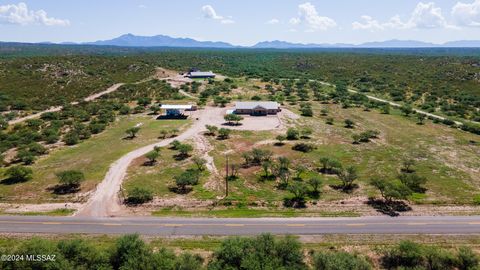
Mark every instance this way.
x=20 y=14
x=368 y=24
x=424 y=16
x=227 y=21
x=273 y=21
x=142 y=6
x=295 y=21
x=467 y=14
x=427 y=15
x=210 y=13
x=396 y=23
x=308 y=15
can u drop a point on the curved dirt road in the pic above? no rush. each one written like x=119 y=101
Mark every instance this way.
x=111 y=89
x=105 y=200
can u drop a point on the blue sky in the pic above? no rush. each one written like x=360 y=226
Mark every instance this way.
x=242 y=22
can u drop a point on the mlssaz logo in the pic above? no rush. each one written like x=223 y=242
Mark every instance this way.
x=40 y=258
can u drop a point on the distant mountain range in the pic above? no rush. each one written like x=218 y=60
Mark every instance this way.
x=130 y=40
x=277 y=44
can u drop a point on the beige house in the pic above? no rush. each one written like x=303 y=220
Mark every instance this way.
x=257 y=108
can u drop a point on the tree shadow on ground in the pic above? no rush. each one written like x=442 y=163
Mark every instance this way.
x=294 y=203
x=180 y=157
x=178 y=190
x=12 y=181
x=328 y=171
x=314 y=194
x=263 y=178
x=348 y=189
x=232 y=124
x=392 y=208
x=64 y=189
x=149 y=163
x=170 y=117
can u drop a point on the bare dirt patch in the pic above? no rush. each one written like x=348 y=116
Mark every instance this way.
x=46 y=207
x=204 y=147
x=256 y=123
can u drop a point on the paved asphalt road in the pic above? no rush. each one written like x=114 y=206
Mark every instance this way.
x=240 y=226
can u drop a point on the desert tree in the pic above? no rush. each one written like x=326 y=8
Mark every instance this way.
x=281 y=139
x=70 y=178
x=330 y=165
x=152 y=157
x=349 y=123
x=174 y=132
x=315 y=183
x=299 y=170
x=407 y=165
x=391 y=190
x=200 y=163
x=385 y=109
x=293 y=134
x=139 y=195
x=163 y=133
x=266 y=166
x=299 y=191
x=132 y=132
x=224 y=133
x=348 y=176
x=356 y=138
x=421 y=119
x=233 y=119
x=212 y=130
x=184 y=150
x=413 y=181
x=155 y=109
x=306 y=133
x=185 y=179
x=407 y=109
x=17 y=174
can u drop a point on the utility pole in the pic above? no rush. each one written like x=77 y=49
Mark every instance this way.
x=226 y=176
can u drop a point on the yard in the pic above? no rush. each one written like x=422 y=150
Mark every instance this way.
x=93 y=157
x=447 y=157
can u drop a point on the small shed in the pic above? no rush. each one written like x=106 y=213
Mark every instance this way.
x=201 y=75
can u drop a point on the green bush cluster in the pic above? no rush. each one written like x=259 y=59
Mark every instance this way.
x=265 y=251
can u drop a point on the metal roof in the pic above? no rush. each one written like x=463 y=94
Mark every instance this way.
x=176 y=107
x=250 y=105
x=201 y=74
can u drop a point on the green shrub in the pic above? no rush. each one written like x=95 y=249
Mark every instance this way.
x=476 y=199
x=17 y=174
x=139 y=195
x=71 y=138
x=261 y=252
x=293 y=134
x=304 y=147
x=339 y=261
x=71 y=178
